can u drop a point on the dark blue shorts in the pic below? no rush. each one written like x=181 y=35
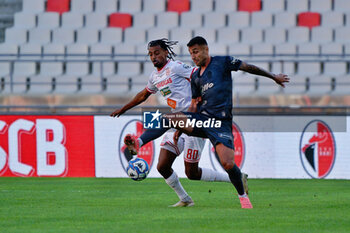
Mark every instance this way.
x=216 y=135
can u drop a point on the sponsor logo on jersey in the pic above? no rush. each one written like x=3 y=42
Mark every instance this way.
x=163 y=83
x=238 y=141
x=146 y=152
x=206 y=86
x=317 y=149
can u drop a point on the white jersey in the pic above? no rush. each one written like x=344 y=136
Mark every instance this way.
x=174 y=83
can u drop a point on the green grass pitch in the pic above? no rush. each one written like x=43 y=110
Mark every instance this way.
x=125 y=206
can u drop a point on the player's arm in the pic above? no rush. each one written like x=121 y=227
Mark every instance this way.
x=138 y=99
x=280 y=79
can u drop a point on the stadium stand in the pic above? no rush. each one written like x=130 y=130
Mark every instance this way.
x=88 y=44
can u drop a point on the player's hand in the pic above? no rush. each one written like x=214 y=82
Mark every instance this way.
x=117 y=113
x=280 y=79
x=177 y=135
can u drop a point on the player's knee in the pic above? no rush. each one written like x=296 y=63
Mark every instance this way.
x=163 y=170
x=227 y=165
x=192 y=174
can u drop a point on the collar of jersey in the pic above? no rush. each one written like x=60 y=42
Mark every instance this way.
x=163 y=67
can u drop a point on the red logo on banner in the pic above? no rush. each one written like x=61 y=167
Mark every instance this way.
x=238 y=142
x=146 y=152
x=317 y=149
x=47 y=146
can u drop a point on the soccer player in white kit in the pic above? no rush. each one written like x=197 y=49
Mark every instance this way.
x=173 y=80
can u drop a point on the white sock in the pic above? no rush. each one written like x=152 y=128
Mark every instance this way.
x=244 y=195
x=140 y=142
x=174 y=182
x=211 y=175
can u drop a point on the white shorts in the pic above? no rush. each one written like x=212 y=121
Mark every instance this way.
x=191 y=146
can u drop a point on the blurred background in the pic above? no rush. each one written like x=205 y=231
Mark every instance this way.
x=91 y=55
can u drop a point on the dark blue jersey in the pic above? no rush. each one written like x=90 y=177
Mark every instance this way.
x=215 y=86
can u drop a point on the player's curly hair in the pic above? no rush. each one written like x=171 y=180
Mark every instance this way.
x=166 y=45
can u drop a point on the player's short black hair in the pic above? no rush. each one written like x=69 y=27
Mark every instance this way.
x=164 y=44
x=197 y=40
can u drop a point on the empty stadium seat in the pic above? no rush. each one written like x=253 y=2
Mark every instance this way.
x=297 y=85
x=341 y=5
x=243 y=84
x=225 y=6
x=59 y=6
x=51 y=68
x=309 y=68
x=261 y=19
x=87 y=36
x=90 y=84
x=320 y=5
x=124 y=49
x=25 y=20
x=33 y=6
x=191 y=20
x=273 y=5
x=332 y=48
x=335 y=68
x=63 y=36
x=201 y=6
x=5 y=69
x=52 y=51
x=103 y=69
x=128 y=68
x=30 y=51
x=178 y=6
x=48 y=20
x=208 y=33
x=65 y=84
x=72 y=20
x=347 y=48
x=251 y=35
x=167 y=20
x=218 y=49
x=130 y=6
x=111 y=35
x=106 y=6
x=319 y=84
x=342 y=84
x=238 y=49
x=262 y=49
x=81 y=6
x=183 y=35
x=96 y=20
x=15 y=36
x=298 y=35
x=239 y=19
x=21 y=83
x=154 y=6
x=40 y=84
x=148 y=68
x=228 y=35
x=40 y=36
x=275 y=35
x=342 y=35
x=134 y=36
x=309 y=19
x=120 y=20
x=297 y=6
x=332 y=19
x=308 y=49
x=144 y=20
x=321 y=35
x=214 y=20
x=249 y=5
x=266 y=86
x=285 y=20
x=157 y=33
x=24 y=68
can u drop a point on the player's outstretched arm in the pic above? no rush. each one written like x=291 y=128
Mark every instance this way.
x=280 y=79
x=138 y=99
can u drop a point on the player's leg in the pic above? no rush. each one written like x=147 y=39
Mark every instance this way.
x=192 y=153
x=167 y=156
x=226 y=156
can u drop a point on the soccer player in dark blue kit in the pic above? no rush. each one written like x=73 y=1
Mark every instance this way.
x=211 y=88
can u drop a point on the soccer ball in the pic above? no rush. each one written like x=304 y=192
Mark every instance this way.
x=137 y=169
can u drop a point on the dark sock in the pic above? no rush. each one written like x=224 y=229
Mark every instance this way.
x=151 y=134
x=236 y=179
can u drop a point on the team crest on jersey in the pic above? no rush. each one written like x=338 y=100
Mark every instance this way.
x=239 y=144
x=167 y=71
x=317 y=149
x=146 y=152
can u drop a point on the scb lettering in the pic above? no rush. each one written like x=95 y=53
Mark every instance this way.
x=51 y=156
